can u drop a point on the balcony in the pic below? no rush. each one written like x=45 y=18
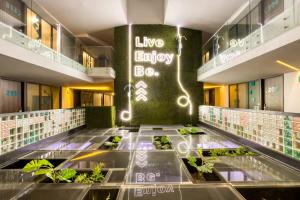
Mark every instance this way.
x=252 y=51
x=101 y=62
x=23 y=58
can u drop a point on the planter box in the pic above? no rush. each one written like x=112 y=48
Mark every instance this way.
x=110 y=139
x=210 y=177
x=89 y=172
x=169 y=146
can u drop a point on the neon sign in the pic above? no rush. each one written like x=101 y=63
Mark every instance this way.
x=152 y=58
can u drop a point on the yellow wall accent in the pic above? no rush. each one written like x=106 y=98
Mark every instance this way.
x=67 y=97
x=55 y=94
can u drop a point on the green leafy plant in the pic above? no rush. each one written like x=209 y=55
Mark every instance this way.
x=194 y=130
x=207 y=163
x=44 y=167
x=83 y=178
x=114 y=142
x=241 y=151
x=116 y=139
x=190 y=130
x=108 y=197
x=95 y=177
x=162 y=142
x=183 y=131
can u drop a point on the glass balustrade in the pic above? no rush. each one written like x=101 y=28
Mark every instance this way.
x=9 y=34
x=258 y=22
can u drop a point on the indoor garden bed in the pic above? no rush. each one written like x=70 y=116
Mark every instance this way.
x=111 y=143
x=162 y=142
x=191 y=131
x=199 y=177
x=45 y=168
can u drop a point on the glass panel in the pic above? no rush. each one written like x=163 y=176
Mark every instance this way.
x=108 y=100
x=54 y=39
x=46 y=34
x=10 y=96
x=233 y=101
x=33 y=25
x=243 y=95
x=12 y=13
x=171 y=192
x=117 y=176
x=271 y=9
x=255 y=95
x=50 y=192
x=32 y=97
x=253 y=168
x=274 y=93
x=8 y=190
x=46 y=98
x=256 y=18
x=159 y=132
x=156 y=167
x=89 y=159
x=145 y=143
x=50 y=155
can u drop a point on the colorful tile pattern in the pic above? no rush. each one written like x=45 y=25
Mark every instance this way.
x=21 y=129
x=273 y=130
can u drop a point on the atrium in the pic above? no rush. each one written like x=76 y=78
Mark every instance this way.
x=149 y=99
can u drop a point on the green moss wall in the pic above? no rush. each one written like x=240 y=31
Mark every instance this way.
x=163 y=91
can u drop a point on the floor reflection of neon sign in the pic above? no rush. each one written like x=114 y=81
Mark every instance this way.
x=152 y=58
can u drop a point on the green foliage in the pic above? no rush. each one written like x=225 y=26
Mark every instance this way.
x=108 y=197
x=190 y=130
x=183 y=131
x=207 y=163
x=241 y=151
x=44 y=167
x=114 y=142
x=100 y=117
x=97 y=175
x=162 y=142
x=83 y=178
x=194 y=130
x=116 y=139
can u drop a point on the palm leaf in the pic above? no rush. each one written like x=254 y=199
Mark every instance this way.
x=66 y=174
x=36 y=165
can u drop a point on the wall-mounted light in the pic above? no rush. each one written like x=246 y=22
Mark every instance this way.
x=186 y=96
x=126 y=115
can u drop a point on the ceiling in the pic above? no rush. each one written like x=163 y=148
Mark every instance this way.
x=99 y=17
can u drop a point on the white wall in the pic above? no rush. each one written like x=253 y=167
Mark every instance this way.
x=292 y=92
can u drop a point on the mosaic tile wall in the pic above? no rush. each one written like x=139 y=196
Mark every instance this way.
x=275 y=130
x=21 y=129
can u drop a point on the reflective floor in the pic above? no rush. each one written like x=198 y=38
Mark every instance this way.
x=135 y=169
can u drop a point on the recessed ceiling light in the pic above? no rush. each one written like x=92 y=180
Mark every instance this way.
x=287 y=65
